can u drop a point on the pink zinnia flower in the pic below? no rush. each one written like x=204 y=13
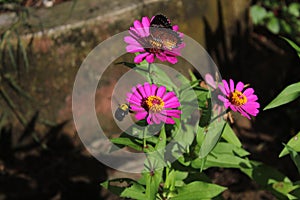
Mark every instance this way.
x=154 y=104
x=238 y=100
x=162 y=43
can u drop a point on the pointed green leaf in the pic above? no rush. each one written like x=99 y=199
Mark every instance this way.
x=289 y=94
x=294 y=142
x=212 y=137
x=198 y=190
x=132 y=189
x=229 y=135
x=294 y=156
x=294 y=45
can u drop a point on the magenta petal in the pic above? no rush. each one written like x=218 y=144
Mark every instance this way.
x=172 y=105
x=155 y=118
x=147 y=88
x=173 y=99
x=153 y=89
x=171 y=59
x=173 y=114
x=134 y=49
x=150 y=58
x=141 y=115
x=252 y=97
x=248 y=92
x=136 y=108
x=161 y=91
x=139 y=58
x=232 y=107
x=168 y=96
x=142 y=91
x=226 y=87
x=243 y=113
x=161 y=57
x=149 y=121
x=231 y=85
x=240 y=86
x=131 y=40
x=222 y=98
x=137 y=24
x=170 y=121
x=210 y=81
x=175 y=28
x=136 y=93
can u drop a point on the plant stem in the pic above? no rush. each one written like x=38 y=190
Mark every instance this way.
x=149 y=67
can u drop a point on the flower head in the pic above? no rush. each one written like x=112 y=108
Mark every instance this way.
x=154 y=103
x=152 y=41
x=238 y=99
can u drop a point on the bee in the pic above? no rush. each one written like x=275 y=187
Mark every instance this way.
x=122 y=111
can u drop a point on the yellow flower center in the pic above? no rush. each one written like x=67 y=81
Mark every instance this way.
x=237 y=98
x=154 y=103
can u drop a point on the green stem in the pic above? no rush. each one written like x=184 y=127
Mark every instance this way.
x=149 y=68
x=144 y=138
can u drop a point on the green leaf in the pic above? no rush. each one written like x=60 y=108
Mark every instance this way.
x=294 y=9
x=175 y=178
x=131 y=190
x=294 y=143
x=162 y=139
x=230 y=136
x=258 y=14
x=224 y=155
x=263 y=174
x=153 y=180
x=289 y=94
x=294 y=45
x=284 y=187
x=212 y=137
x=135 y=144
x=294 y=156
x=198 y=190
x=273 y=25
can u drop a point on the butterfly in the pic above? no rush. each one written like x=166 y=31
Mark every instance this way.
x=162 y=35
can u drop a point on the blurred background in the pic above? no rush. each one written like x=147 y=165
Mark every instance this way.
x=44 y=42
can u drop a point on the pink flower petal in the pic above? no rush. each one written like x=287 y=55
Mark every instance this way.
x=134 y=49
x=139 y=58
x=168 y=95
x=141 y=115
x=210 y=81
x=172 y=105
x=153 y=89
x=171 y=59
x=147 y=88
x=149 y=120
x=161 y=91
x=170 y=100
x=173 y=114
x=150 y=58
x=141 y=90
x=161 y=57
x=131 y=40
x=240 y=86
x=170 y=121
x=175 y=28
x=136 y=108
x=226 y=87
x=232 y=107
x=248 y=92
x=231 y=85
x=221 y=87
